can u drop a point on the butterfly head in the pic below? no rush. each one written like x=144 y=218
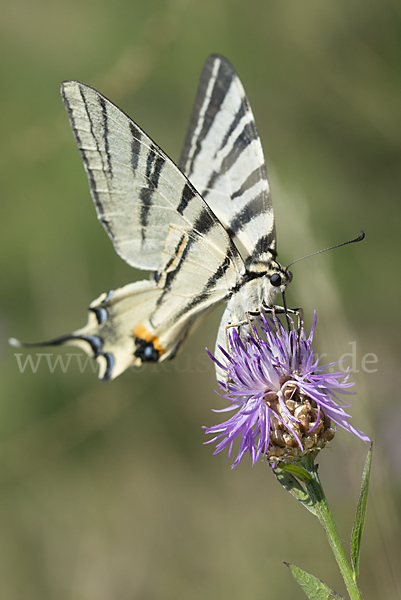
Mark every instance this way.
x=276 y=281
x=280 y=279
x=274 y=276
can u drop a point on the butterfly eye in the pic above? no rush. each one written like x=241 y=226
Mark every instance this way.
x=275 y=279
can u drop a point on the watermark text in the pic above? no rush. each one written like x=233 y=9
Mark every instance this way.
x=186 y=363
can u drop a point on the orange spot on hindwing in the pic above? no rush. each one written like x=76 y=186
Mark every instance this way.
x=149 y=348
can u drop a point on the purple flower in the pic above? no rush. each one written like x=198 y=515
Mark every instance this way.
x=284 y=401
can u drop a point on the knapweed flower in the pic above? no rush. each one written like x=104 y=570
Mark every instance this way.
x=285 y=403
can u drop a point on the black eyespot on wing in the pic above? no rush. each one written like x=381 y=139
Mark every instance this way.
x=275 y=279
x=100 y=313
x=95 y=342
x=146 y=352
x=110 y=362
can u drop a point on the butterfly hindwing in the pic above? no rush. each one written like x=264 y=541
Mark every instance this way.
x=147 y=321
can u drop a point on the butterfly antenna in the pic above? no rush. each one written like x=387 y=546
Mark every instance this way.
x=358 y=239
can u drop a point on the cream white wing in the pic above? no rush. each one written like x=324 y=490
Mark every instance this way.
x=148 y=321
x=137 y=190
x=223 y=158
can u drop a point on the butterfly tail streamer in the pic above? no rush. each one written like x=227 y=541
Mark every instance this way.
x=120 y=333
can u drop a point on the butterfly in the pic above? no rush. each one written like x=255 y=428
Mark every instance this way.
x=205 y=229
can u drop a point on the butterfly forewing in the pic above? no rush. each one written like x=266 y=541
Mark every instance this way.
x=137 y=190
x=223 y=158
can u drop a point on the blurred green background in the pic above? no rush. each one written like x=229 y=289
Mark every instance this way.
x=106 y=490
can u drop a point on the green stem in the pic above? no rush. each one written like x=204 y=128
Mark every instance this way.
x=316 y=494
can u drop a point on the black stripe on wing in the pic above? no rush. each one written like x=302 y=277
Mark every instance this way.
x=250 y=211
x=246 y=136
x=187 y=194
x=203 y=224
x=135 y=145
x=102 y=103
x=88 y=168
x=177 y=251
x=154 y=165
x=210 y=284
x=218 y=94
x=235 y=122
x=252 y=179
x=171 y=275
x=263 y=245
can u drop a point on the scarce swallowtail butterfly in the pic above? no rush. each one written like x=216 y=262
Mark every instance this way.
x=205 y=229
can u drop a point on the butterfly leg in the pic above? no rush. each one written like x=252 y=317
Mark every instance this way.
x=279 y=310
x=276 y=321
x=248 y=321
x=298 y=312
x=272 y=310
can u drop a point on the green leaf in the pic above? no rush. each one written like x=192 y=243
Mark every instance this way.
x=357 y=529
x=312 y=586
x=298 y=472
x=286 y=475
